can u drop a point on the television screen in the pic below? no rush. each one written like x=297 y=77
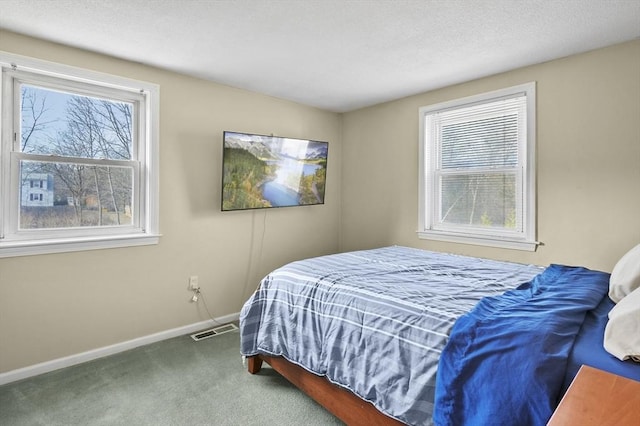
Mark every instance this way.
x=270 y=171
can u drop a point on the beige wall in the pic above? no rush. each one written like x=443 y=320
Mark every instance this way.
x=57 y=305
x=53 y=306
x=588 y=162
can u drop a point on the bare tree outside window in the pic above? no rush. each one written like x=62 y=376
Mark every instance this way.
x=82 y=134
x=79 y=159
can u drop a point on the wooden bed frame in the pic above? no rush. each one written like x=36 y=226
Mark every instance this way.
x=343 y=404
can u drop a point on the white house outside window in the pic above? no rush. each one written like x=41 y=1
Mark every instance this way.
x=477 y=169
x=78 y=159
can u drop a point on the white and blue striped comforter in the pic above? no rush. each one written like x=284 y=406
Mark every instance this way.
x=373 y=321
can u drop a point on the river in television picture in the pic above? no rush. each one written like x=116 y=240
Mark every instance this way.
x=269 y=171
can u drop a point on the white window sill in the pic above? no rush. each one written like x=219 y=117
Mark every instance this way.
x=62 y=245
x=508 y=243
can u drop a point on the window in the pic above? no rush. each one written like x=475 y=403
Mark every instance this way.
x=477 y=171
x=78 y=159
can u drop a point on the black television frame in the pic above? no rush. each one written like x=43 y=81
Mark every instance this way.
x=267 y=171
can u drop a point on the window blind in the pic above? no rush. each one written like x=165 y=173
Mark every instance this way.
x=478 y=171
x=480 y=136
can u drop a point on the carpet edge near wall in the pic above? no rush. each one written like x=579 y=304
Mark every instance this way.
x=75 y=359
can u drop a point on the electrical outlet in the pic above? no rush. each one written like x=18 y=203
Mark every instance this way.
x=193 y=282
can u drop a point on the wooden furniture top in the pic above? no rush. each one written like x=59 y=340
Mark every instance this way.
x=596 y=397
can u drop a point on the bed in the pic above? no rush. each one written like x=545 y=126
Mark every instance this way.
x=376 y=336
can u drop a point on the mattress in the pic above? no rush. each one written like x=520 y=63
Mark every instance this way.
x=588 y=348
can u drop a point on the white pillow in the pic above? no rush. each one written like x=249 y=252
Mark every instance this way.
x=622 y=334
x=625 y=276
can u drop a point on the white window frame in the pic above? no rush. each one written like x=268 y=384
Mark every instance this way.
x=428 y=196
x=145 y=227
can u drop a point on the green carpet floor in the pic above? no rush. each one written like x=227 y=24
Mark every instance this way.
x=174 y=382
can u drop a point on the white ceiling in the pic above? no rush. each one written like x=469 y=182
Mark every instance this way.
x=338 y=55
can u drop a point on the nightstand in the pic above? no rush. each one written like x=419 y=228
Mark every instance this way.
x=596 y=397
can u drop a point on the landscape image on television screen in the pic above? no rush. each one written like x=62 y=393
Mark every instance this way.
x=269 y=171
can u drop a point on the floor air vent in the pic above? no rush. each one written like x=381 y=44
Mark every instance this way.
x=205 y=334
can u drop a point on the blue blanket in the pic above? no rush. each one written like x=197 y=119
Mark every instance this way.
x=505 y=361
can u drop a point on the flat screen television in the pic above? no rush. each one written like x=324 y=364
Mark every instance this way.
x=270 y=171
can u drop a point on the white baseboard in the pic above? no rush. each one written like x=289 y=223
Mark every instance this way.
x=68 y=361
